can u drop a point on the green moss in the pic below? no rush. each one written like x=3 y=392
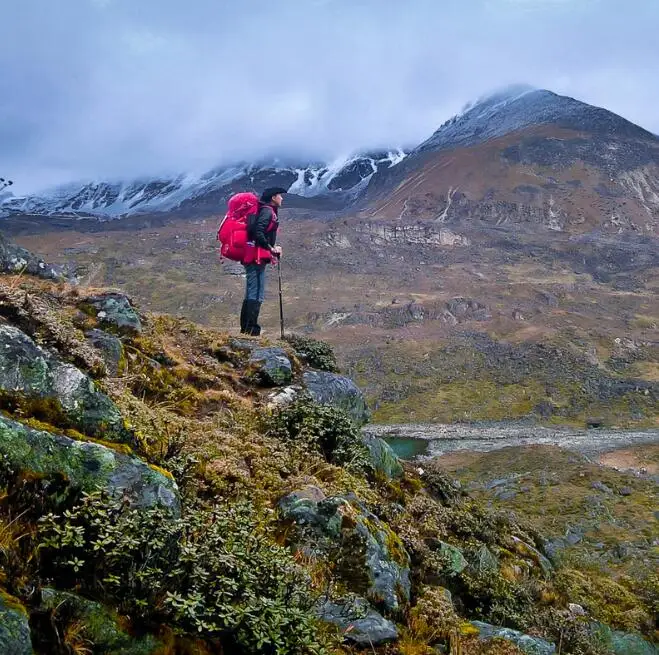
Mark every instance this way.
x=11 y=603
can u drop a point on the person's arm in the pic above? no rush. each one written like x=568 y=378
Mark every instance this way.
x=262 y=222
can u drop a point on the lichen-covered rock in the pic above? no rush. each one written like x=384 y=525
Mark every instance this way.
x=14 y=627
x=14 y=259
x=451 y=557
x=39 y=384
x=530 y=645
x=384 y=459
x=88 y=466
x=358 y=622
x=370 y=558
x=111 y=349
x=622 y=643
x=100 y=625
x=271 y=366
x=338 y=390
x=115 y=311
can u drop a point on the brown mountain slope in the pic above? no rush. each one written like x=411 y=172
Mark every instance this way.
x=563 y=179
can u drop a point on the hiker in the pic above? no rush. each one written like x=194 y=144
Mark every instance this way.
x=261 y=250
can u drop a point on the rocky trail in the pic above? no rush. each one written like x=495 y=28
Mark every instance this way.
x=421 y=441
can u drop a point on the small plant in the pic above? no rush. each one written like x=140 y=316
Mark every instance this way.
x=317 y=354
x=323 y=428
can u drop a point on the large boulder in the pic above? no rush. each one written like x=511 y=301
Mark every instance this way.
x=101 y=626
x=41 y=385
x=271 y=366
x=87 y=466
x=14 y=259
x=358 y=621
x=370 y=558
x=114 y=311
x=14 y=627
x=526 y=643
x=332 y=389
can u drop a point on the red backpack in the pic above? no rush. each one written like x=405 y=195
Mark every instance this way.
x=232 y=233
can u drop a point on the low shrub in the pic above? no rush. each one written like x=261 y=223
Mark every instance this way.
x=214 y=573
x=317 y=354
x=325 y=429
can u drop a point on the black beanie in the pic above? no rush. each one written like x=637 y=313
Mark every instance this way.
x=270 y=192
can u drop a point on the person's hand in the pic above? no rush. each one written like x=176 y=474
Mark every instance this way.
x=276 y=251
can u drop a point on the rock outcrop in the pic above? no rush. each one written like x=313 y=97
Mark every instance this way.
x=369 y=556
x=333 y=389
x=87 y=466
x=39 y=384
x=14 y=627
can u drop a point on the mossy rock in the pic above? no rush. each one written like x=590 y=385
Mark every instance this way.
x=358 y=622
x=623 y=643
x=14 y=627
x=115 y=311
x=14 y=259
x=526 y=643
x=87 y=466
x=111 y=350
x=35 y=383
x=340 y=391
x=271 y=366
x=101 y=626
x=384 y=459
x=370 y=558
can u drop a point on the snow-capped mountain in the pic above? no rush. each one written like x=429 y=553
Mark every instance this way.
x=518 y=107
x=341 y=180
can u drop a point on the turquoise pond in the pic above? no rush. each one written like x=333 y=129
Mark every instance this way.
x=407 y=448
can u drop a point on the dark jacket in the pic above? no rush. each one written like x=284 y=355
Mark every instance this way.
x=260 y=235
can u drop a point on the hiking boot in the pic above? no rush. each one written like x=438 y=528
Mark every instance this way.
x=244 y=313
x=252 y=316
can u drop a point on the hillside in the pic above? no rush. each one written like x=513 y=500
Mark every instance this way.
x=170 y=489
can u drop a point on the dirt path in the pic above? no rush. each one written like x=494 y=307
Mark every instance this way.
x=419 y=440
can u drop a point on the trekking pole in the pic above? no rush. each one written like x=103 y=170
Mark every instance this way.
x=281 y=300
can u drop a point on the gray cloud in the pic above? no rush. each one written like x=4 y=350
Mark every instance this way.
x=110 y=88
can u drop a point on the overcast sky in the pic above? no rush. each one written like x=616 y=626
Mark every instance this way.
x=118 y=88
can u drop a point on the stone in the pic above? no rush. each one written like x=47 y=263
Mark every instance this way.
x=369 y=557
x=358 y=622
x=384 y=459
x=14 y=259
x=115 y=311
x=527 y=644
x=626 y=491
x=14 y=627
x=529 y=552
x=111 y=350
x=87 y=466
x=271 y=366
x=41 y=385
x=452 y=558
x=284 y=397
x=337 y=390
x=622 y=643
x=102 y=626
x=600 y=486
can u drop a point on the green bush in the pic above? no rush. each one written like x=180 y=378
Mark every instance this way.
x=316 y=354
x=324 y=428
x=214 y=573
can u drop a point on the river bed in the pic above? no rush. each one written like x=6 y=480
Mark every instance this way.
x=422 y=441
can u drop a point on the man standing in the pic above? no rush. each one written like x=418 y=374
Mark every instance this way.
x=261 y=250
